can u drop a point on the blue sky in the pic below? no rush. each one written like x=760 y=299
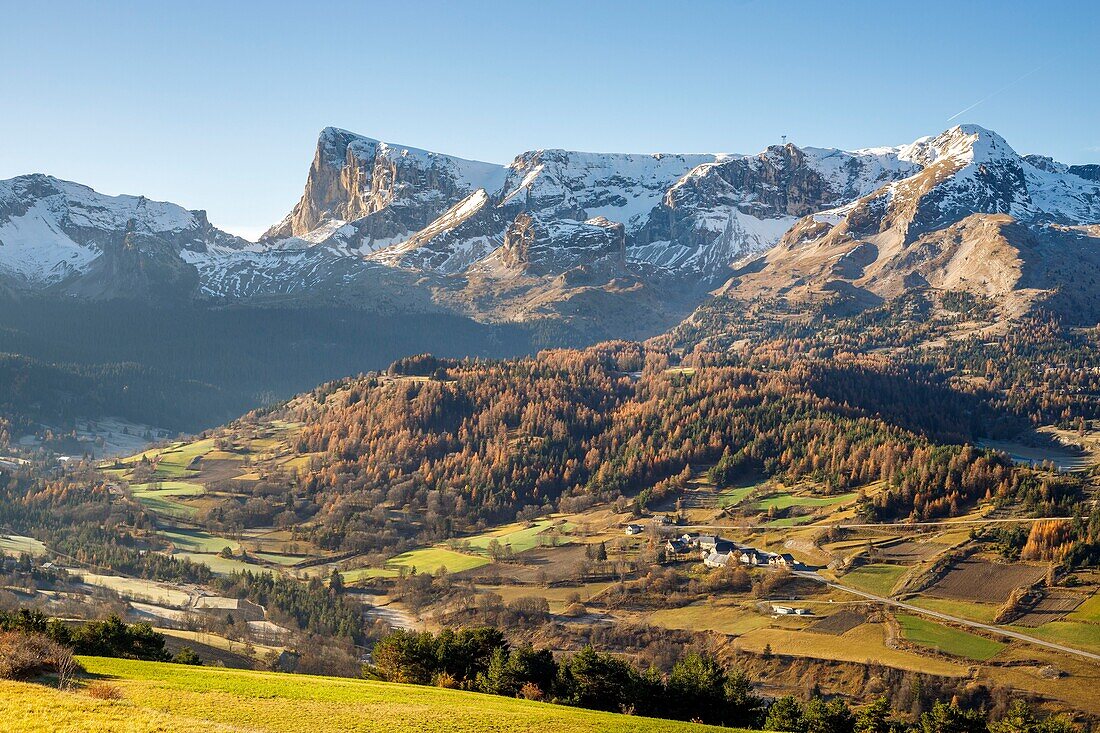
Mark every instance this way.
x=217 y=105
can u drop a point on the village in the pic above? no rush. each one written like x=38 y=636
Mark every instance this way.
x=717 y=552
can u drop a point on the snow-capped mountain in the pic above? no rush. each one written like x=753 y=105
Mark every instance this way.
x=974 y=216
x=688 y=214
x=557 y=233
x=57 y=234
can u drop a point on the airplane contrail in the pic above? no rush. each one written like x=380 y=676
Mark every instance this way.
x=1012 y=83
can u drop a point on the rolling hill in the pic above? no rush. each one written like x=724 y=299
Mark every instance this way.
x=175 y=698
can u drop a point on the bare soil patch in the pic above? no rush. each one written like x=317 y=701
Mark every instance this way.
x=980 y=580
x=908 y=551
x=838 y=623
x=1055 y=604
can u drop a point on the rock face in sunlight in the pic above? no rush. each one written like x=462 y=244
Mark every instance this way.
x=974 y=217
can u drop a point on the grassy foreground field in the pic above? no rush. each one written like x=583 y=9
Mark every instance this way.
x=171 y=698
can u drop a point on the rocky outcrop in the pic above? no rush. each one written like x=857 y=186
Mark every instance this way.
x=976 y=217
x=542 y=247
x=382 y=192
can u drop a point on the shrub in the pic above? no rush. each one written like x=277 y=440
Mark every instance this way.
x=103 y=691
x=26 y=656
x=531 y=691
x=187 y=655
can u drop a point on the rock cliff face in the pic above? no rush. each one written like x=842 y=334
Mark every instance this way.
x=689 y=215
x=372 y=193
x=546 y=246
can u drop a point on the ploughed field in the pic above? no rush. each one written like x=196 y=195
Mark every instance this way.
x=173 y=698
x=984 y=581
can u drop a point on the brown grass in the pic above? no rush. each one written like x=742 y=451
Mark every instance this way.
x=103 y=691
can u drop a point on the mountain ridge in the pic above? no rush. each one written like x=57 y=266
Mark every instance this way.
x=389 y=227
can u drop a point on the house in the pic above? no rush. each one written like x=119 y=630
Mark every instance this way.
x=662 y=521
x=707 y=542
x=782 y=560
x=633 y=529
x=716 y=559
x=749 y=556
x=676 y=546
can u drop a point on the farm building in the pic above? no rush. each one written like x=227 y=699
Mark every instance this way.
x=749 y=556
x=676 y=546
x=633 y=529
x=782 y=560
x=707 y=542
x=716 y=559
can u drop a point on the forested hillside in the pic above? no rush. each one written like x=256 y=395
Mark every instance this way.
x=439 y=447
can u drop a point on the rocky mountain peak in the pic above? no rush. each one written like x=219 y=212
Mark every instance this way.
x=962 y=145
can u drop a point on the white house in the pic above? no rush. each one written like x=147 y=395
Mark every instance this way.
x=717 y=559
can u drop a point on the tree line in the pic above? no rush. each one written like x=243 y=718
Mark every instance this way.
x=698 y=688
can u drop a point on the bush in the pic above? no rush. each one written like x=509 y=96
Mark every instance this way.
x=27 y=656
x=103 y=691
x=531 y=691
x=187 y=655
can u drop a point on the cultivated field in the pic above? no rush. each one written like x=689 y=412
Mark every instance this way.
x=980 y=580
x=862 y=644
x=174 y=698
x=878 y=578
x=1076 y=634
x=426 y=560
x=907 y=551
x=724 y=618
x=983 y=612
x=946 y=639
x=787 y=500
x=558 y=596
x=194 y=540
x=840 y=622
x=520 y=536
x=137 y=589
x=1055 y=604
x=16 y=545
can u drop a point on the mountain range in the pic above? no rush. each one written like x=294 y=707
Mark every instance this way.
x=605 y=244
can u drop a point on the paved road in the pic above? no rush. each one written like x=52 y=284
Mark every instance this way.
x=898 y=526
x=953 y=619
